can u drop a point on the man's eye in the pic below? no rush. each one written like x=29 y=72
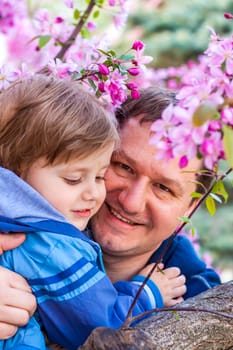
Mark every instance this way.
x=124 y=167
x=72 y=181
x=163 y=188
x=121 y=169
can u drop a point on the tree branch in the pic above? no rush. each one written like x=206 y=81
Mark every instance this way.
x=65 y=47
x=163 y=330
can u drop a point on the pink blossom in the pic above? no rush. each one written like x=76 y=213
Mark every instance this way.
x=91 y=26
x=227 y=115
x=214 y=125
x=59 y=20
x=164 y=150
x=212 y=149
x=140 y=59
x=7 y=76
x=61 y=69
x=117 y=93
x=183 y=162
x=69 y=3
x=221 y=52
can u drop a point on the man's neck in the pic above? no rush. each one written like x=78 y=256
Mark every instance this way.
x=124 y=268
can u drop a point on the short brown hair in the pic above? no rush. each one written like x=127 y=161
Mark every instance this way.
x=150 y=105
x=48 y=117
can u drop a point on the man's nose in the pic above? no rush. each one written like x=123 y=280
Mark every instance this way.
x=133 y=197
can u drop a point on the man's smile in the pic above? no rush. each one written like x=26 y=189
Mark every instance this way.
x=120 y=217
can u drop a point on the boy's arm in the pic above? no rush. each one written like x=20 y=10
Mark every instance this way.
x=74 y=296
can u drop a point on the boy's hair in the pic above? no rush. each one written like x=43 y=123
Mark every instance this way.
x=48 y=117
x=150 y=105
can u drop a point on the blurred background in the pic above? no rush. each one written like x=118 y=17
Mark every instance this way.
x=174 y=33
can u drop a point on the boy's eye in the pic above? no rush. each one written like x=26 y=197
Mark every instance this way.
x=100 y=178
x=72 y=181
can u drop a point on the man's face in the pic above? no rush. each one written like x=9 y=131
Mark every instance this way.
x=145 y=196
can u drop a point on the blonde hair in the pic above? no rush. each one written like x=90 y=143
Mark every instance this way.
x=48 y=117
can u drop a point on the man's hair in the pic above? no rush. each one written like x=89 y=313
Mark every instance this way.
x=47 y=117
x=150 y=105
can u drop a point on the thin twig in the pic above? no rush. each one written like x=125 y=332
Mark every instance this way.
x=179 y=308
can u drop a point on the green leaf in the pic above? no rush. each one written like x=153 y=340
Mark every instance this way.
x=203 y=113
x=210 y=205
x=175 y=313
x=219 y=189
x=193 y=231
x=96 y=14
x=184 y=219
x=104 y=52
x=85 y=33
x=126 y=57
x=196 y=195
x=216 y=198
x=99 y=2
x=43 y=40
x=91 y=82
x=76 y=14
x=122 y=69
x=228 y=143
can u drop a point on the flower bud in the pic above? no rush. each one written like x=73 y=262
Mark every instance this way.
x=135 y=94
x=103 y=69
x=131 y=86
x=134 y=71
x=138 y=45
x=101 y=86
x=228 y=15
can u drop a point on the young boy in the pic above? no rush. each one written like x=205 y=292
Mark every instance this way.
x=55 y=146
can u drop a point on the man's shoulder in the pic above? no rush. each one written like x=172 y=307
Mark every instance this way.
x=175 y=251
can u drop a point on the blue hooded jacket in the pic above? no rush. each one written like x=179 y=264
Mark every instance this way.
x=65 y=271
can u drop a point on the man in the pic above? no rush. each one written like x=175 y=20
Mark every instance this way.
x=145 y=197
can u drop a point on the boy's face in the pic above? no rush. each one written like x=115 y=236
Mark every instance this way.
x=75 y=188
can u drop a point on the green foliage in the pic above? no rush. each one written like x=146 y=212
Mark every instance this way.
x=178 y=30
x=215 y=234
x=43 y=40
x=228 y=144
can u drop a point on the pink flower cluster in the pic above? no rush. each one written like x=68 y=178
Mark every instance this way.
x=88 y=59
x=195 y=125
x=11 y=12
